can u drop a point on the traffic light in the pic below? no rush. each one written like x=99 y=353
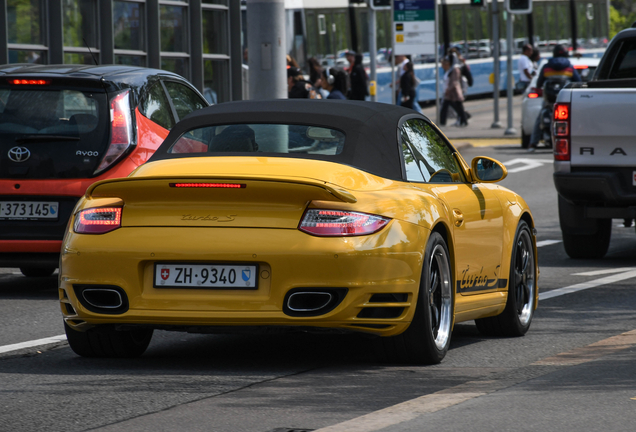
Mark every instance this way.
x=380 y=4
x=478 y=3
x=518 y=6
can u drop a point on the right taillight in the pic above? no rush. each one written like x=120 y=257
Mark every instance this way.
x=97 y=220
x=121 y=130
x=338 y=223
x=561 y=132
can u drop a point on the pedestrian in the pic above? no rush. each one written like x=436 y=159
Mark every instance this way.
x=526 y=68
x=400 y=62
x=407 y=86
x=335 y=81
x=298 y=87
x=358 y=77
x=535 y=58
x=467 y=75
x=453 y=95
x=315 y=76
x=351 y=58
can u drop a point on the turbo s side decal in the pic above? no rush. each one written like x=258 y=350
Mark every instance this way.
x=472 y=281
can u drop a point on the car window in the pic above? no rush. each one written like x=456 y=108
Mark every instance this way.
x=155 y=106
x=427 y=157
x=183 y=98
x=46 y=111
x=269 y=138
x=625 y=63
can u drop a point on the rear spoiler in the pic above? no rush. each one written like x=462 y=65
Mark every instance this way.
x=337 y=192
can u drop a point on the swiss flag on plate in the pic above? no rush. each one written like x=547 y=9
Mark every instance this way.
x=165 y=274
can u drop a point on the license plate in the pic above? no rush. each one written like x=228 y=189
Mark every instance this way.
x=224 y=276
x=28 y=210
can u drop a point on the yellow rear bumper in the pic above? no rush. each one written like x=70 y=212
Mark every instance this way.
x=386 y=262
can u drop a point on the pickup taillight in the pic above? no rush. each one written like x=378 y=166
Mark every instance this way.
x=561 y=131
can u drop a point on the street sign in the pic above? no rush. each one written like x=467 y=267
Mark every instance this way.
x=380 y=4
x=414 y=27
x=518 y=6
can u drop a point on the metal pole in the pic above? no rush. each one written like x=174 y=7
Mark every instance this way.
x=236 y=49
x=266 y=42
x=373 y=49
x=437 y=65
x=4 y=33
x=393 y=85
x=573 y=27
x=510 y=87
x=495 y=58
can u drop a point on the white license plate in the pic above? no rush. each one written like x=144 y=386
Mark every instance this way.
x=29 y=210
x=205 y=276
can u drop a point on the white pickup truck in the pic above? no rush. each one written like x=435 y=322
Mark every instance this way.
x=594 y=132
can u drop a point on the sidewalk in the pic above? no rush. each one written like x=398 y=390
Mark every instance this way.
x=479 y=126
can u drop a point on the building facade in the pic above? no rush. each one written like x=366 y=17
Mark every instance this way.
x=193 y=38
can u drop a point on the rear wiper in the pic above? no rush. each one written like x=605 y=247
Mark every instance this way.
x=45 y=138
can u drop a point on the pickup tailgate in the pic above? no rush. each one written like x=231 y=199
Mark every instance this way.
x=603 y=123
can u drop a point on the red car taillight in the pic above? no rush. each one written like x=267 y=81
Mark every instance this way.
x=337 y=223
x=535 y=93
x=121 y=130
x=29 y=82
x=561 y=131
x=98 y=220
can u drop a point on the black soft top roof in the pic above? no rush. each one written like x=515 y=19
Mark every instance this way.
x=371 y=142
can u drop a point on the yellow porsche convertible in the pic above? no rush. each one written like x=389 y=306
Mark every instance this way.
x=304 y=215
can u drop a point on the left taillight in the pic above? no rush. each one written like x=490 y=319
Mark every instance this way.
x=121 y=130
x=561 y=131
x=338 y=223
x=97 y=220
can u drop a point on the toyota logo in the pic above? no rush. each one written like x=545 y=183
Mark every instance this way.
x=19 y=154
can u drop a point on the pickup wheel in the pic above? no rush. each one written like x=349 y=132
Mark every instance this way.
x=583 y=238
x=589 y=246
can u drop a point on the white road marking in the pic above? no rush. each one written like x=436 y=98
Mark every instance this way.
x=587 y=285
x=526 y=164
x=623 y=274
x=606 y=271
x=33 y=343
x=547 y=242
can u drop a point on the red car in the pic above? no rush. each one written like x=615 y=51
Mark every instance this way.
x=64 y=127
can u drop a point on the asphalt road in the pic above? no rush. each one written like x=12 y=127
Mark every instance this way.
x=574 y=370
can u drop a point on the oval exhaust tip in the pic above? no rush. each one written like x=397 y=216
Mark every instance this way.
x=302 y=301
x=103 y=298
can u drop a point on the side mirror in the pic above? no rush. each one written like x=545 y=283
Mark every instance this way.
x=488 y=170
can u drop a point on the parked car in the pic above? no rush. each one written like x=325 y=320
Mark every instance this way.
x=63 y=127
x=532 y=99
x=297 y=214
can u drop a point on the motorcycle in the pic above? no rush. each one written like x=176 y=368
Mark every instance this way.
x=551 y=89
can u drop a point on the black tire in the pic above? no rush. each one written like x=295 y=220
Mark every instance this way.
x=37 y=271
x=525 y=140
x=101 y=342
x=427 y=338
x=589 y=246
x=516 y=318
x=583 y=238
